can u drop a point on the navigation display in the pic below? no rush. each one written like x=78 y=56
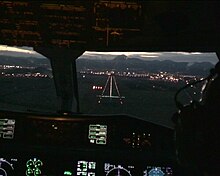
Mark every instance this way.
x=7 y=127
x=112 y=170
x=97 y=134
x=158 y=171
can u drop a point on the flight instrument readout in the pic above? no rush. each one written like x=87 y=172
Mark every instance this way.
x=7 y=127
x=97 y=134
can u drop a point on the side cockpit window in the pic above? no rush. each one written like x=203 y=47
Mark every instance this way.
x=26 y=81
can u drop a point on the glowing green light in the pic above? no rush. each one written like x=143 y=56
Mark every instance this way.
x=37 y=172
x=29 y=163
x=68 y=173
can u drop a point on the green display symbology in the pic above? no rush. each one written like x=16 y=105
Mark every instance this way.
x=86 y=168
x=97 y=134
x=33 y=167
x=68 y=173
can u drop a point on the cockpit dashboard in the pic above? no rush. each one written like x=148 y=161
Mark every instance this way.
x=87 y=145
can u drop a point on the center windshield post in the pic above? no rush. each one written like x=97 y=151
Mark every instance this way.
x=63 y=67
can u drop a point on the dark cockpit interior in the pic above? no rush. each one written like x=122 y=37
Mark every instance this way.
x=70 y=142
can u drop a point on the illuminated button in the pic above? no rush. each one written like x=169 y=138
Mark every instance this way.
x=92 y=137
x=103 y=141
x=92 y=165
x=38 y=163
x=29 y=172
x=37 y=172
x=2 y=123
x=92 y=141
x=67 y=173
x=97 y=133
x=29 y=163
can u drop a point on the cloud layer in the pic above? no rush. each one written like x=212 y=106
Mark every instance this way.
x=174 y=56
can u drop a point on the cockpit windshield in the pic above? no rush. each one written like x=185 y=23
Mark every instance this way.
x=140 y=84
x=26 y=81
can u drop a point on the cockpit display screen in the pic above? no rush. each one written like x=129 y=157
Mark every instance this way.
x=86 y=168
x=7 y=166
x=97 y=134
x=159 y=171
x=112 y=169
x=7 y=127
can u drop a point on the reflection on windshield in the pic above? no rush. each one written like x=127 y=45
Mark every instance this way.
x=139 y=84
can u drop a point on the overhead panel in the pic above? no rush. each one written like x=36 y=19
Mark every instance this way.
x=44 y=24
x=69 y=24
x=116 y=22
x=109 y=25
x=18 y=24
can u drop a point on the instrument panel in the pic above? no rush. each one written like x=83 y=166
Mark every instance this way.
x=84 y=145
x=41 y=166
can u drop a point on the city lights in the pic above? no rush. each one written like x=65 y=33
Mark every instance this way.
x=160 y=76
x=12 y=71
